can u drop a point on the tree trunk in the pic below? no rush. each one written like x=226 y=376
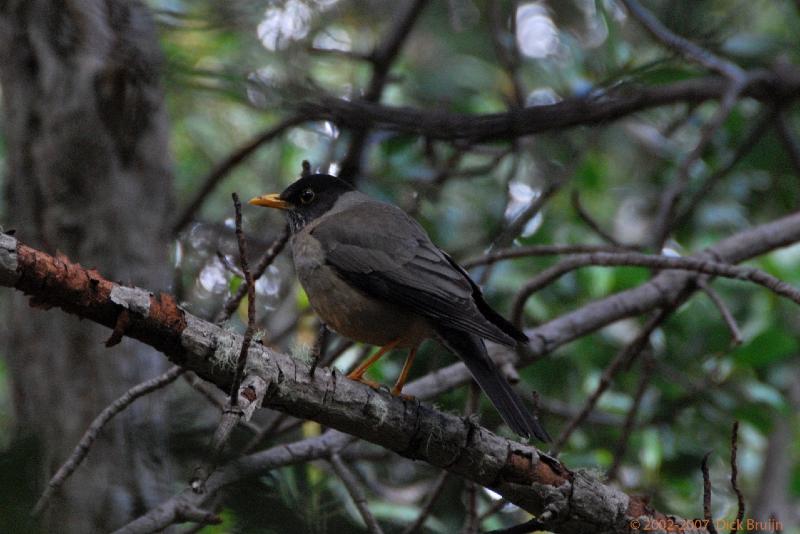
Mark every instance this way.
x=88 y=175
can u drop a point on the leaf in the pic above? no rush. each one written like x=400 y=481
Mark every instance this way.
x=772 y=345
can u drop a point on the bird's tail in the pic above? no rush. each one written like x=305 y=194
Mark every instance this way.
x=472 y=351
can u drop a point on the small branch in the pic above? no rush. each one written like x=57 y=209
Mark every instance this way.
x=624 y=357
x=249 y=396
x=471 y=525
x=664 y=222
x=89 y=437
x=382 y=59
x=266 y=260
x=253 y=392
x=590 y=222
x=505 y=47
x=738 y=81
x=734 y=478
x=221 y=170
x=251 y=302
x=752 y=138
x=630 y=419
x=231 y=268
x=727 y=316
x=471 y=520
x=427 y=507
x=634 y=259
x=260 y=463
x=536 y=250
x=712 y=529
x=515 y=227
x=683 y=46
x=356 y=493
x=320 y=346
x=216 y=397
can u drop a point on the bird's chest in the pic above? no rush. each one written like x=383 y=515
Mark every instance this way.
x=345 y=309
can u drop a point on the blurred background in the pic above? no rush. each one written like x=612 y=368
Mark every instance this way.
x=231 y=71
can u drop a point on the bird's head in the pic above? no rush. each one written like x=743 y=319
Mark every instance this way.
x=307 y=199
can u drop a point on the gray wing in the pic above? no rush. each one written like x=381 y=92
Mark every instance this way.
x=383 y=252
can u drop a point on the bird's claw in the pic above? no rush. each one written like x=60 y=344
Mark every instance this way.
x=399 y=393
x=374 y=385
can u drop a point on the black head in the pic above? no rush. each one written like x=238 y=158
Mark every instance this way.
x=307 y=199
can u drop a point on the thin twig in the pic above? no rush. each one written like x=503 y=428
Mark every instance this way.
x=222 y=169
x=727 y=316
x=627 y=354
x=734 y=478
x=681 y=45
x=89 y=437
x=445 y=169
x=216 y=397
x=319 y=349
x=712 y=529
x=590 y=222
x=505 y=47
x=752 y=138
x=471 y=525
x=226 y=263
x=471 y=519
x=266 y=260
x=738 y=81
x=515 y=227
x=427 y=507
x=635 y=259
x=630 y=419
x=664 y=222
x=251 y=303
x=267 y=430
x=536 y=250
x=232 y=413
x=356 y=493
x=382 y=59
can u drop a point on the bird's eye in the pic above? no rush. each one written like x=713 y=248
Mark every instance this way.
x=307 y=196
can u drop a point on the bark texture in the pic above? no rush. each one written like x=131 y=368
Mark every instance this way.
x=88 y=176
x=572 y=501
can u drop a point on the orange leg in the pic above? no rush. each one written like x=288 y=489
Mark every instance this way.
x=401 y=380
x=358 y=374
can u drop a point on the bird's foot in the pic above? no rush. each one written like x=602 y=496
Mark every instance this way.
x=367 y=381
x=398 y=392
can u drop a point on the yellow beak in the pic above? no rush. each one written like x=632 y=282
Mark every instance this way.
x=270 y=201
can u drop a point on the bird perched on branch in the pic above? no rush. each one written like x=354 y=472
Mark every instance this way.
x=373 y=275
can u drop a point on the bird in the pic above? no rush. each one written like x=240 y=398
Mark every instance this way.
x=373 y=275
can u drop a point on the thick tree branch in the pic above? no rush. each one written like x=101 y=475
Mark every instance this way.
x=597 y=108
x=518 y=472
